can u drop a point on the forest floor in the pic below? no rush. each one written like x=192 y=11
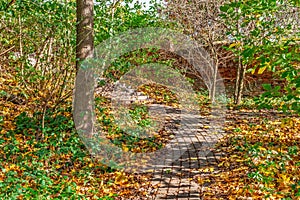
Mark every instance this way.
x=254 y=154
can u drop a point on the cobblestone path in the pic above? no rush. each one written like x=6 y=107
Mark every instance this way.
x=178 y=179
x=175 y=173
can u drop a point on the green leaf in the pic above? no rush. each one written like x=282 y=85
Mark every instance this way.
x=224 y=8
x=247 y=53
x=267 y=87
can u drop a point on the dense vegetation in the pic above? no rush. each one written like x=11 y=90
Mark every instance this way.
x=42 y=155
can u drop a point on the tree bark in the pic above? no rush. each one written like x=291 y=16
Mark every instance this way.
x=85 y=31
x=84 y=117
x=239 y=84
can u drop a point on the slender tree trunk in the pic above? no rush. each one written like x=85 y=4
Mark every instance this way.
x=239 y=84
x=214 y=81
x=85 y=31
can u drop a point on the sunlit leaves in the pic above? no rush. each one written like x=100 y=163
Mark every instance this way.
x=267 y=41
x=56 y=165
x=264 y=155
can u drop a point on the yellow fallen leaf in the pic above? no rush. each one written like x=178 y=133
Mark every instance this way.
x=111 y=194
x=57 y=166
x=234 y=44
x=120 y=178
x=125 y=148
x=221 y=164
x=262 y=148
x=91 y=165
x=200 y=180
x=227 y=164
x=285 y=180
x=262 y=69
x=205 y=170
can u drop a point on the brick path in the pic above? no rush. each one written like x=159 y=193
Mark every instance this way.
x=178 y=179
x=174 y=169
x=175 y=178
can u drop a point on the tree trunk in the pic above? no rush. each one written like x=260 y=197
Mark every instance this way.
x=214 y=81
x=239 y=83
x=85 y=31
x=84 y=84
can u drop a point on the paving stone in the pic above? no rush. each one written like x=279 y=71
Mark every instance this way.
x=175 y=168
